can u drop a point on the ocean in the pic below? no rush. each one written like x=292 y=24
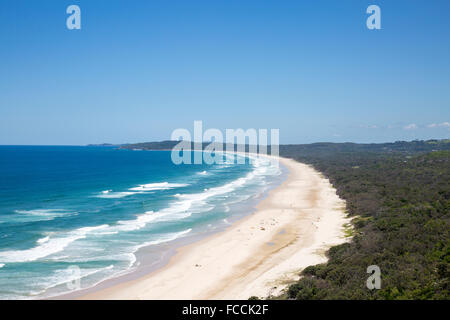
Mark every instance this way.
x=74 y=216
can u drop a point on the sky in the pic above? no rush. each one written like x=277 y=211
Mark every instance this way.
x=137 y=70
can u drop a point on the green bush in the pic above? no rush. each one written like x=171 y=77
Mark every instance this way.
x=399 y=195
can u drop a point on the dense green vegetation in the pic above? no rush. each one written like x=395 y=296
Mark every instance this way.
x=399 y=197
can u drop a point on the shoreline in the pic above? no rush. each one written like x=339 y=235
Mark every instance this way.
x=258 y=255
x=154 y=257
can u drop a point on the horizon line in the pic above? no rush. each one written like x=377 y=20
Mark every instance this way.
x=159 y=141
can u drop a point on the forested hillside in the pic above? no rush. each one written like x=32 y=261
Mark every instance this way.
x=399 y=198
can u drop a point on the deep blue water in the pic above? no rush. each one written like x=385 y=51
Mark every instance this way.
x=92 y=208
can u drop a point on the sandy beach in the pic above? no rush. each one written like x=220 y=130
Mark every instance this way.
x=258 y=255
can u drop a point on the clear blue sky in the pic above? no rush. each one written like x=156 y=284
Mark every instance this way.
x=139 y=69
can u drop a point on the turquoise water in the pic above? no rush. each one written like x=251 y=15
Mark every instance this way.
x=82 y=213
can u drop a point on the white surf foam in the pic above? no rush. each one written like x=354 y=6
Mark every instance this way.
x=158 y=186
x=68 y=275
x=109 y=194
x=131 y=225
x=163 y=238
x=197 y=202
x=43 y=240
x=48 y=247
x=183 y=208
x=65 y=276
x=179 y=209
x=40 y=214
x=114 y=195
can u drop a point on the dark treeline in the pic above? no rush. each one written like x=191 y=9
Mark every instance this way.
x=398 y=195
x=316 y=150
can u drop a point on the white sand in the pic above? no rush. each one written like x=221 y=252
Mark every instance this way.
x=256 y=256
